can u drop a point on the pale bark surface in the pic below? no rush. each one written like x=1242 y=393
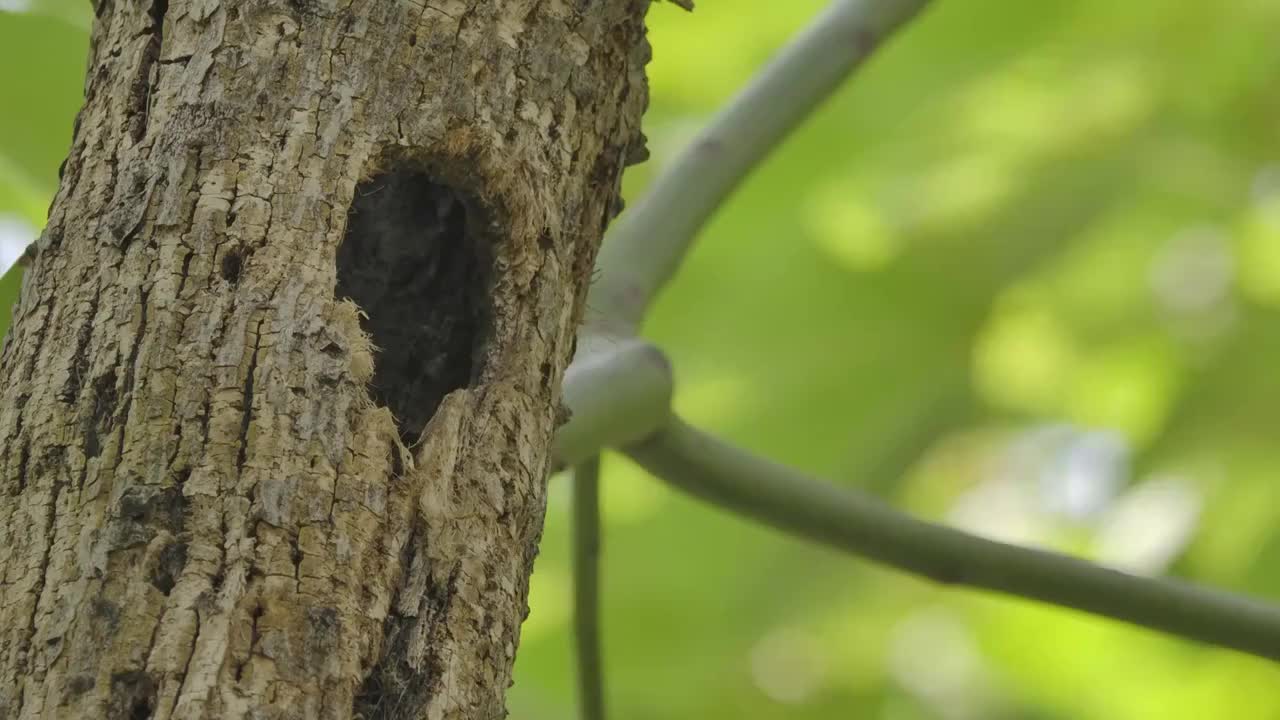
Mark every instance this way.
x=210 y=509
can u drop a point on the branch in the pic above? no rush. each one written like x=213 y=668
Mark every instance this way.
x=646 y=246
x=793 y=502
x=586 y=587
x=619 y=391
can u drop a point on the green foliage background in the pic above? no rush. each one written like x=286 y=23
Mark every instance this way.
x=1021 y=275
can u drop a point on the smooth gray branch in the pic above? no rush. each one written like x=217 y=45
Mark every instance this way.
x=586 y=587
x=844 y=519
x=646 y=246
x=618 y=391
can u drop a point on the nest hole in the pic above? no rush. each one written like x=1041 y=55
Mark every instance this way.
x=416 y=262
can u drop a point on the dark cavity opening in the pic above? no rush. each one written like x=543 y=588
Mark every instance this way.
x=232 y=263
x=133 y=696
x=416 y=263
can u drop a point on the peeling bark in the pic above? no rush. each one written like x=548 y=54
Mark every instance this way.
x=277 y=400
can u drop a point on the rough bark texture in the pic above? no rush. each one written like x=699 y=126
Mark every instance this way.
x=232 y=492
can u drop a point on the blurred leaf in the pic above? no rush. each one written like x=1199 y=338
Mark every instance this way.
x=77 y=13
x=10 y=288
x=45 y=58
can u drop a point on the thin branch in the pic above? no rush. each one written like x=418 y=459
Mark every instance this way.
x=791 y=501
x=647 y=245
x=586 y=586
x=618 y=390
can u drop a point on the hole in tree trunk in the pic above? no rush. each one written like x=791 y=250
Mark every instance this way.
x=133 y=696
x=416 y=263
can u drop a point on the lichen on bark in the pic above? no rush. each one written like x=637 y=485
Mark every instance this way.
x=224 y=497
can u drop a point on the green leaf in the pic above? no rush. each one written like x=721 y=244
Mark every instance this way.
x=10 y=288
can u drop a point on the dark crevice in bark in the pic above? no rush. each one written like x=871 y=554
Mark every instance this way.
x=126 y=392
x=399 y=686
x=185 y=272
x=103 y=418
x=203 y=420
x=80 y=357
x=254 y=634
x=24 y=458
x=417 y=262
x=140 y=93
x=246 y=419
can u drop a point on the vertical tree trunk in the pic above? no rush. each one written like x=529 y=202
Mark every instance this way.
x=233 y=492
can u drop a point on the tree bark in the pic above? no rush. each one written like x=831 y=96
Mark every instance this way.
x=279 y=391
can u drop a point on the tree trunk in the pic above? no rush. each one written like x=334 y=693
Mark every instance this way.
x=278 y=396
